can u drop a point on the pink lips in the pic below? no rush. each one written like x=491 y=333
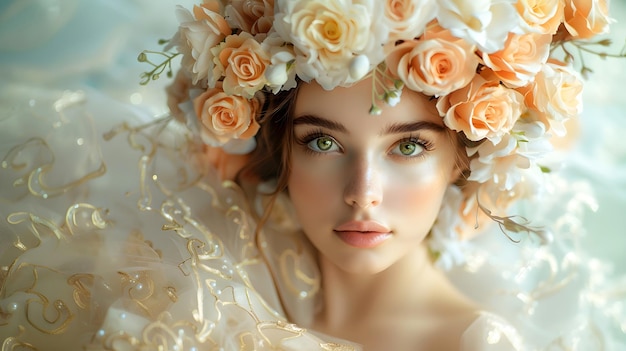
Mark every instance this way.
x=363 y=234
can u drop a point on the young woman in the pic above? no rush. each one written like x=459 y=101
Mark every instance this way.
x=366 y=190
x=337 y=163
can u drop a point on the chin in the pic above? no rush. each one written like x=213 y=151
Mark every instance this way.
x=362 y=263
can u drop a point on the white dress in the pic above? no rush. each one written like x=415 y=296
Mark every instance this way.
x=113 y=236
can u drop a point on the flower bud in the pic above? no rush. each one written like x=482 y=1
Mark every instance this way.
x=359 y=66
x=276 y=74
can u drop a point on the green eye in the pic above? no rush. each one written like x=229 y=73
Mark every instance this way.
x=323 y=144
x=408 y=149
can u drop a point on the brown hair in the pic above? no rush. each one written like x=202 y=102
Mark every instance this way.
x=270 y=159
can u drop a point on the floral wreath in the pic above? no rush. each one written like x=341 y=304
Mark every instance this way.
x=491 y=64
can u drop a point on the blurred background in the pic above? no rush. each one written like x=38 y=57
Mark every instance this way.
x=73 y=44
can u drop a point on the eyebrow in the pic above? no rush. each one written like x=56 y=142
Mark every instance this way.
x=395 y=128
x=320 y=122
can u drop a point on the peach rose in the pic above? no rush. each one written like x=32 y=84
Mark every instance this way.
x=520 y=60
x=227 y=165
x=224 y=117
x=436 y=64
x=196 y=34
x=482 y=109
x=556 y=95
x=587 y=18
x=242 y=61
x=407 y=19
x=540 y=16
x=252 y=16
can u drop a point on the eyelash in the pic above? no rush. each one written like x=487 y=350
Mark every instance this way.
x=427 y=145
x=306 y=139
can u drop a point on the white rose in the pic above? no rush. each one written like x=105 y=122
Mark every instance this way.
x=485 y=23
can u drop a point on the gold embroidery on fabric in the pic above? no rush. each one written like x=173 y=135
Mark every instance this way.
x=140 y=288
x=19 y=244
x=34 y=177
x=331 y=346
x=14 y=343
x=36 y=223
x=171 y=293
x=62 y=315
x=81 y=293
x=287 y=265
x=60 y=319
x=84 y=216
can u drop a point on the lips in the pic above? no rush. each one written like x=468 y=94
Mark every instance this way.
x=363 y=234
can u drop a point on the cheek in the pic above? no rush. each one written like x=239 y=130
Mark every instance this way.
x=416 y=193
x=309 y=191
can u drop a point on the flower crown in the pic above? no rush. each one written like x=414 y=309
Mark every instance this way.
x=491 y=65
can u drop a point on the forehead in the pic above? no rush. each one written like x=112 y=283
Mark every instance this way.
x=345 y=104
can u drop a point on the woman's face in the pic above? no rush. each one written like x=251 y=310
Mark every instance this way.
x=367 y=188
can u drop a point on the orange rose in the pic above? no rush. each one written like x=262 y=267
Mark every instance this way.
x=436 y=64
x=252 y=16
x=242 y=61
x=224 y=117
x=520 y=60
x=227 y=165
x=541 y=16
x=482 y=109
x=586 y=18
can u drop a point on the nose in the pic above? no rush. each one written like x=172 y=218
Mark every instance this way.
x=364 y=187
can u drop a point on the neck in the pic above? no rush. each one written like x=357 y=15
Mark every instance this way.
x=409 y=284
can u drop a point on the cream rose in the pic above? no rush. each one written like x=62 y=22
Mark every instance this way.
x=485 y=23
x=224 y=117
x=520 y=60
x=540 y=16
x=197 y=33
x=587 y=18
x=436 y=64
x=482 y=109
x=556 y=95
x=327 y=35
x=252 y=16
x=407 y=19
x=242 y=62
